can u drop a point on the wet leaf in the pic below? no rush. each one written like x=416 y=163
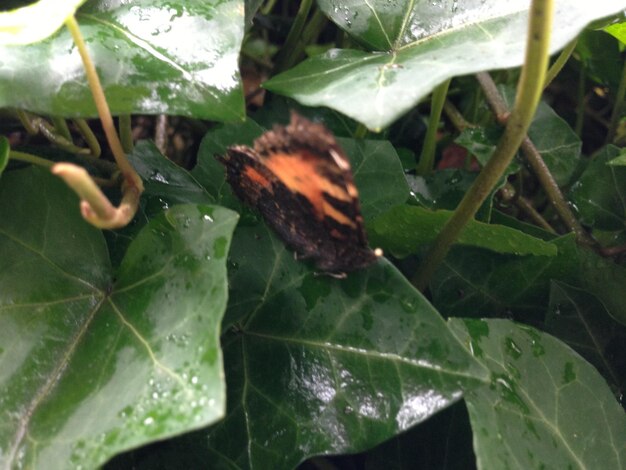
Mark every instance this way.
x=406 y=230
x=152 y=56
x=474 y=281
x=544 y=407
x=600 y=192
x=92 y=364
x=414 y=46
x=319 y=365
x=579 y=318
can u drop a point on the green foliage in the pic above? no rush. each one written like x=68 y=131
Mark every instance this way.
x=192 y=338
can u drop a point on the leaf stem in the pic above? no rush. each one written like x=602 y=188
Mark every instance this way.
x=427 y=158
x=580 y=102
x=37 y=125
x=124 y=165
x=529 y=91
x=60 y=125
x=95 y=207
x=560 y=62
x=617 y=107
x=360 y=132
x=89 y=136
x=29 y=158
x=456 y=118
x=126 y=132
x=539 y=167
x=289 y=52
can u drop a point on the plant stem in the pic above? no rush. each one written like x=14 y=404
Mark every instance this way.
x=25 y=119
x=529 y=91
x=27 y=157
x=559 y=63
x=427 y=158
x=160 y=133
x=360 y=132
x=130 y=176
x=60 y=125
x=580 y=103
x=617 y=107
x=313 y=29
x=555 y=196
x=513 y=196
x=541 y=170
x=456 y=118
x=90 y=138
x=126 y=132
x=290 y=50
x=268 y=7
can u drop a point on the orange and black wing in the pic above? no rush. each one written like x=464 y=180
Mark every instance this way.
x=300 y=180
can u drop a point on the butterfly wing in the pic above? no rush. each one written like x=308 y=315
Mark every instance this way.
x=300 y=180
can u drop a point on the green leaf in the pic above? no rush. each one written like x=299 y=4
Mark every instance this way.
x=417 y=45
x=556 y=142
x=90 y=366
x=600 y=192
x=544 y=407
x=320 y=365
x=208 y=171
x=474 y=281
x=579 y=318
x=617 y=30
x=601 y=57
x=143 y=55
x=554 y=139
x=405 y=230
x=619 y=160
x=481 y=143
x=35 y=22
x=165 y=183
x=5 y=148
x=444 y=189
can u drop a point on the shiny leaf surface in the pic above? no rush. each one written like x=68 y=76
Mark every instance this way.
x=90 y=364
x=319 y=365
x=152 y=56
x=406 y=230
x=600 y=193
x=472 y=281
x=417 y=45
x=579 y=318
x=544 y=407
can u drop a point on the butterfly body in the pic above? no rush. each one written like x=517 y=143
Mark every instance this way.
x=300 y=180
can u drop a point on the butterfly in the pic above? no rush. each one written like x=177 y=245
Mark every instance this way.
x=300 y=180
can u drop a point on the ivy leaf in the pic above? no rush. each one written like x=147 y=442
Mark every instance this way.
x=579 y=318
x=404 y=230
x=600 y=194
x=544 y=406
x=94 y=363
x=144 y=60
x=318 y=365
x=414 y=46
